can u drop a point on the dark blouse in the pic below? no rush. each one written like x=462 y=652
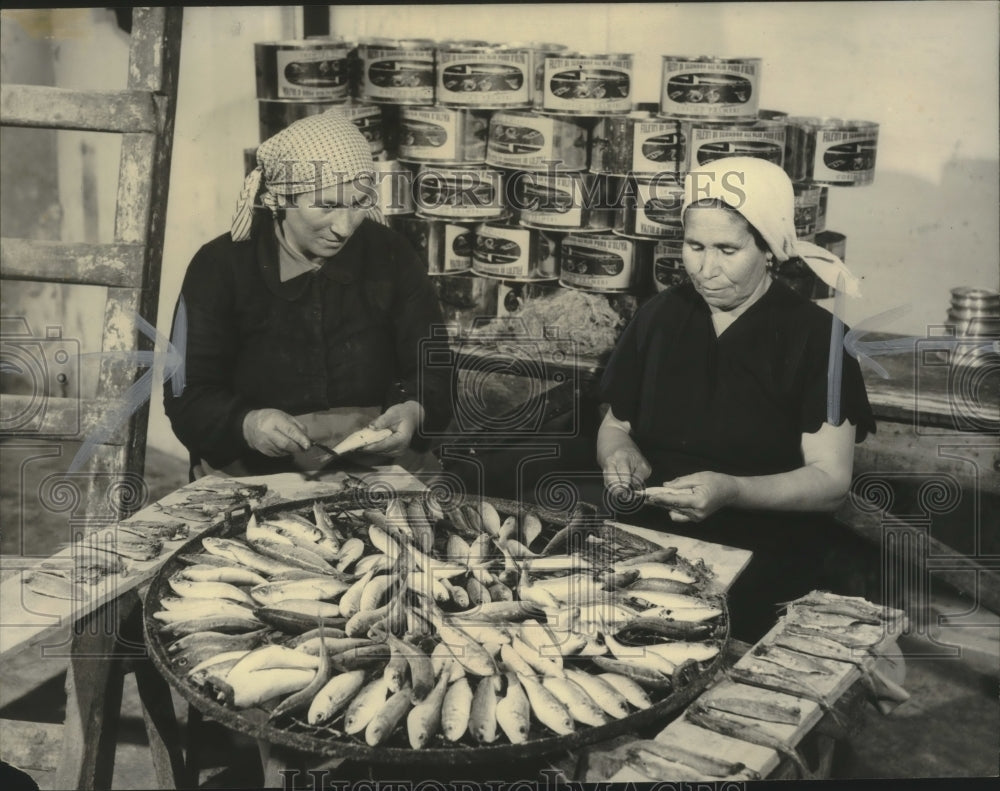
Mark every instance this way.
x=352 y=333
x=737 y=403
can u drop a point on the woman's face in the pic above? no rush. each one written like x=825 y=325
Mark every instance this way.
x=318 y=226
x=721 y=257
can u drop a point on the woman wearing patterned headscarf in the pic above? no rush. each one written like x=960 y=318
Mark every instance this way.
x=309 y=318
x=724 y=394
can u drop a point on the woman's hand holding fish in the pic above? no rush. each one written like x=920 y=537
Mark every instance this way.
x=693 y=498
x=626 y=466
x=274 y=433
x=404 y=420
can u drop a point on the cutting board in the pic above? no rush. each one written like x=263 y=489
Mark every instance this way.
x=726 y=563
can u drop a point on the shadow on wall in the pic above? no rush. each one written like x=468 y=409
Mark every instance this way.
x=912 y=240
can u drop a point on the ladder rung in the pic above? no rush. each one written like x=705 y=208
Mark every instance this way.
x=62 y=108
x=116 y=265
x=38 y=417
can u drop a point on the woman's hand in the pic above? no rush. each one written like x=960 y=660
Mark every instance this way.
x=404 y=420
x=620 y=458
x=274 y=433
x=693 y=498
x=626 y=466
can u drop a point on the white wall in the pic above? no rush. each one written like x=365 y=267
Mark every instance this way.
x=216 y=119
x=926 y=71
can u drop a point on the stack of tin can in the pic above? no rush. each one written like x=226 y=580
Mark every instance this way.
x=532 y=166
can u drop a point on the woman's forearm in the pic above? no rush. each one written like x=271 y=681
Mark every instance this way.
x=806 y=489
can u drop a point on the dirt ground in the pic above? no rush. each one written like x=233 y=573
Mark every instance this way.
x=949 y=729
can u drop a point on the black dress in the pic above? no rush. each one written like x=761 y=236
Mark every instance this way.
x=354 y=333
x=737 y=404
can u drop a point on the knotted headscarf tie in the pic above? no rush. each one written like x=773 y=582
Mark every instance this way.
x=310 y=155
x=762 y=193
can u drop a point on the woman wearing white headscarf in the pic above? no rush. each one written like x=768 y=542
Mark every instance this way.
x=307 y=319
x=721 y=391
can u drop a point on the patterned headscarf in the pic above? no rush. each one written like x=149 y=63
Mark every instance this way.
x=763 y=194
x=311 y=154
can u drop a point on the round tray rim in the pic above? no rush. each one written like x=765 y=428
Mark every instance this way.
x=253 y=722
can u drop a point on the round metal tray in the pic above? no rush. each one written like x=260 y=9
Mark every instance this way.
x=329 y=741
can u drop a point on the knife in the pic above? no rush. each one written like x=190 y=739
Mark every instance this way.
x=356 y=441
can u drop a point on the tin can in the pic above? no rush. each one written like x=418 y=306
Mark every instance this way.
x=537 y=52
x=467 y=300
x=597 y=262
x=651 y=208
x=445 y=247
x=713 y=141
x=277 y=115
x=579 y=84
x=394 y=184
x=511 y=252
x=636 y=143
x=443 y=135
x=806 y=208
x=397 y=71
x=563 y=201
x=527 y=140
x=835 y=152
x=460 y=193
x=312 y=69
x=488 y=76
x=668 y=265
x=710 y=88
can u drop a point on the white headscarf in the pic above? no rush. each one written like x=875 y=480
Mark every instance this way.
x=313 y=153
x=762 y=192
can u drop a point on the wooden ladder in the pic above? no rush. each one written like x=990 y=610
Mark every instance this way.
x=129 y=267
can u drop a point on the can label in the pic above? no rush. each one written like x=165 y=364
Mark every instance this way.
x=588 y=85
x=458 y=241
x=484 y=79
x=658 y=209
x=668 y=266
x=502 y=252
x=656 y=146
x=709 y=144
x=398 y=75
x=467 y=194
x=844 y=157
x=536 y=143
x=311 y=73
x=442 y=135
x=628 y=145
x=558 y=201
x=708 y=89
x=597 y=263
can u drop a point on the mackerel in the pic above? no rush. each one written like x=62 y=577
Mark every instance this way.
x=703 y=718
